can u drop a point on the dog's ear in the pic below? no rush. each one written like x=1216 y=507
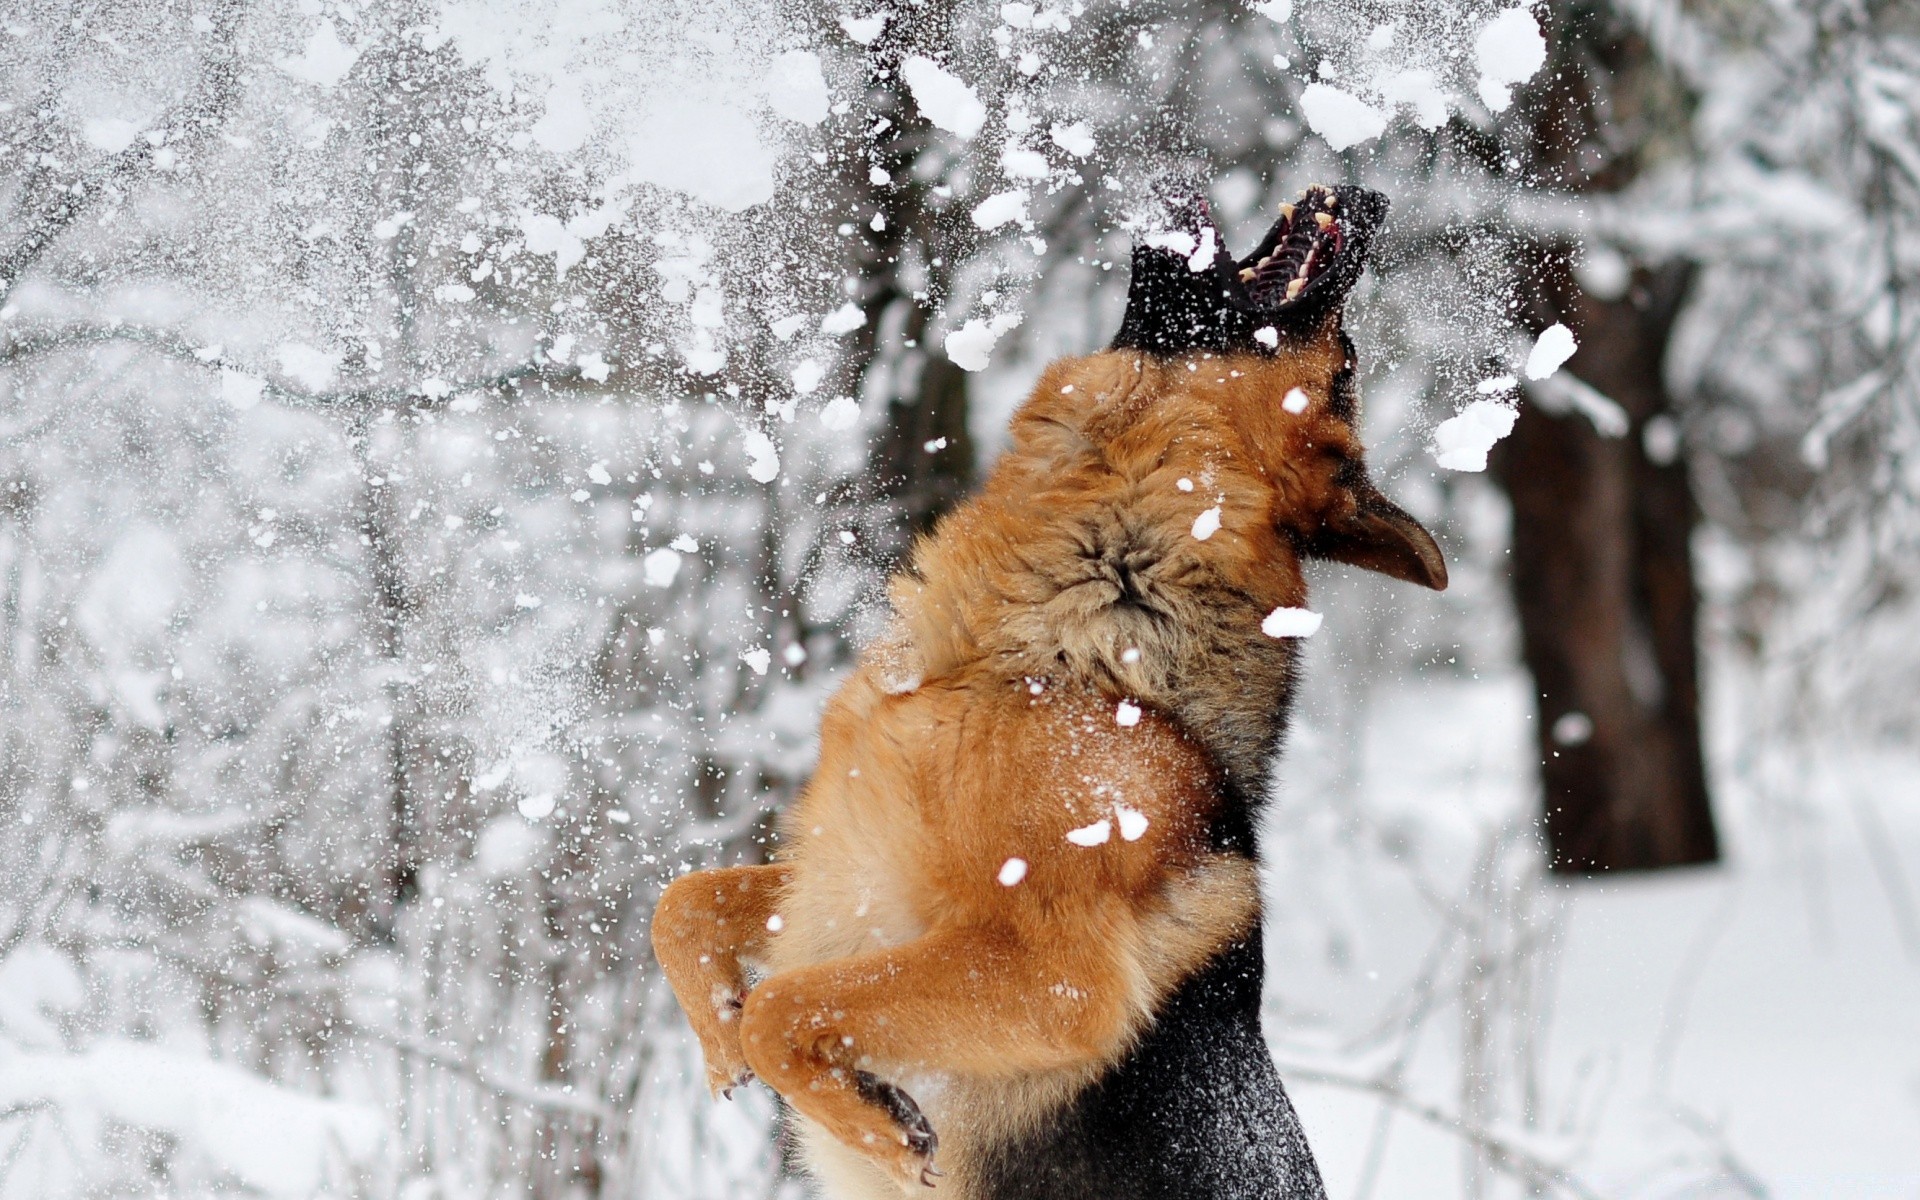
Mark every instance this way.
x=1365 y=529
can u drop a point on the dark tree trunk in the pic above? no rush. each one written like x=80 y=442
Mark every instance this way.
x=925 y=458
x=1603 y=580
x=1602 y=572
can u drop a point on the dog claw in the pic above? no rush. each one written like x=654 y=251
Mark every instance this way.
x=929 y=1173
x=915 y=1130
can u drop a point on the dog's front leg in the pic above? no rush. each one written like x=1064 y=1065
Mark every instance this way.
x=704 y=927
x=976 y=1001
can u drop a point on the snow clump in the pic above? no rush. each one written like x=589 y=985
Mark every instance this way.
x=1342 y=118
x=1091 y=835
x=1462 y=441
x=1284 y=622
x=841 y=412
x=1509 y=51
x=971 y=346
x=1001 y=208
x=1207 y=524
x=943 y=97
x=1551 y=350
x=660 y=567
x=795 y=88
x=1012 y=871
x=763 y=459
x=1076 y=138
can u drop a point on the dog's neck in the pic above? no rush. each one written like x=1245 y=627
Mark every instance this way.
x=1126 y=542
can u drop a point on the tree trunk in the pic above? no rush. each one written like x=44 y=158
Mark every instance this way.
x=925 y=458
x=1603 y=581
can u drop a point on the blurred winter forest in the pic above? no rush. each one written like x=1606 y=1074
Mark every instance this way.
x=448 y=449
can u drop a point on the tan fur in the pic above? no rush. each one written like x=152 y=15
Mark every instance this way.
x=983 y=728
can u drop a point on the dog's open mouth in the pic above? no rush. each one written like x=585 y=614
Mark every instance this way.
x=1298 y=252
x=1189 y=293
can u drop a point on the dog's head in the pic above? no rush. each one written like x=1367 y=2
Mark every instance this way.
x=1265 y=332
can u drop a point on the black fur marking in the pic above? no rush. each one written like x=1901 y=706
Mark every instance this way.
x=1195 y=1112
x=914 y=1126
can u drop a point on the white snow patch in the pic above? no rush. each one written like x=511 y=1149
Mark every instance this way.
x=863 y=30
x=1551 y=349
x=1269 y=337
x=1277 y=11
x=1509 y=50
x=594 y=366
x=943 y=98
x=1012 y=872
x=1341 y=118
x=1133 y=823
x=536 y=807
x=707 y=308
x=1565 y=392
x=1207 y=523
x=841 y=412
x=325 y=61
x=795 y=88
x=1127 y=714
x=1075 y=138
x=547 y=234
x=807 y=376
x=845 y=319
x=1284 y=622
x=1419 y=90
x=564 y=120
x=1462 y=441
x=971 y=346
x=660 y=567
x=786 y=327
x=271 y=1139
x=685 y=544
x=112 y=134
x=506 y=847
x=1091 y=835
x=763 y=458
x=1018 y=162
x=310 y=368
x=240 y=389
x=1001 y=208
x=704 y=149
x=1204 y=252
x=1295 y=401
x=1179 y=241
x=1572 y=729
x=757 y=659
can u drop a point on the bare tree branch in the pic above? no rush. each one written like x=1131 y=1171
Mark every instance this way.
x=203 y=111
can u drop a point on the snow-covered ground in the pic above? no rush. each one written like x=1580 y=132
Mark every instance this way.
x=1765 y=1012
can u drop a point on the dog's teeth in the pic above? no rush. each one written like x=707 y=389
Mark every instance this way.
x=1331 y=199
x=1323 y=219
x=1286 y=211
x=1296 y=287
x=1247 y=274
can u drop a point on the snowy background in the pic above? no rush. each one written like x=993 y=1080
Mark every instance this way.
x=448 y=450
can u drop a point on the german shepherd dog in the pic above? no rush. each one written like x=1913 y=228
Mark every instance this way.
x=1016 y=906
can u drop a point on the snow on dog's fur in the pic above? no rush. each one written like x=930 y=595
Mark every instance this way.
x=1030 y=830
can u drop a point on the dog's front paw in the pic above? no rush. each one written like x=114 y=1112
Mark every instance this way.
x=910 y=1158
x=727 y=1066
